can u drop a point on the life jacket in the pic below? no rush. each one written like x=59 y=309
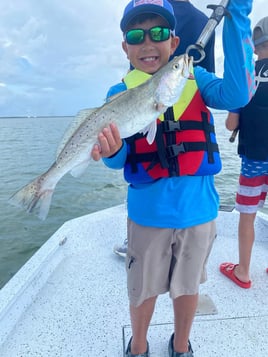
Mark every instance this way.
x=253 y=119
x=185 y=142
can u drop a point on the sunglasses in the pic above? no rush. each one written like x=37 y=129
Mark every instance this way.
x=156 y=34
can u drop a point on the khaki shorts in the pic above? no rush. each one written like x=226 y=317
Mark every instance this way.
x=163 y=259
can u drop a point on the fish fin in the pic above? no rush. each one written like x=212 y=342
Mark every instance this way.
x=76 y=122
x=150 y=130
x=78 y=170
x=114 y=96
x=33 y=198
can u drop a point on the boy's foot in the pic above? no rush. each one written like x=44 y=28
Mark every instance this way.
x=121 y=250
x=228 y=269
x=129 y=354
x=173 y=353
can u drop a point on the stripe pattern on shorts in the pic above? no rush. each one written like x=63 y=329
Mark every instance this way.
x=253 y=186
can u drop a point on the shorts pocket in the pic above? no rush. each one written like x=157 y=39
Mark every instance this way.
x=134 y=274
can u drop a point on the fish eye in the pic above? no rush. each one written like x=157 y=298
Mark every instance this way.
x=176 y=66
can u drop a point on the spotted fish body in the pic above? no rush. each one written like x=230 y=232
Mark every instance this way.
x=134 y=110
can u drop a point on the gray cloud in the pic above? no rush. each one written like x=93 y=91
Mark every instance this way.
x=57 y=57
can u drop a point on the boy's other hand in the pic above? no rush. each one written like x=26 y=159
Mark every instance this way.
x=109 y=143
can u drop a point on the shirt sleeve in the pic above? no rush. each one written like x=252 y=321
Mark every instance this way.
x=120 y=87
x=238 y=63
x=118 y=160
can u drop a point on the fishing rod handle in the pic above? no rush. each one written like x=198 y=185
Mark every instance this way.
x=233 y=136
x=206 y=33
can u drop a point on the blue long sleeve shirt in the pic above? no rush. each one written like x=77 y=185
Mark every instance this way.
x=185 y=201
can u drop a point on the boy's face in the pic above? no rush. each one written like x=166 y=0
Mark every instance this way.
x=150 y=56
x=262 y=50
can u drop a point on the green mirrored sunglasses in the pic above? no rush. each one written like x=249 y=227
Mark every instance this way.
x=156 y=34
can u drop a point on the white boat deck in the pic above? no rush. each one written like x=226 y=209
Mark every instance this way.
x=70 y=298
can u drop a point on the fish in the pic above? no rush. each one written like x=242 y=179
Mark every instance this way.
x=134 y=110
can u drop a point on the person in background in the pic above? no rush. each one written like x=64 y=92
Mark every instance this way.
x=190 y=18
x=189 y=24
x=172 y=208
x=252 y=121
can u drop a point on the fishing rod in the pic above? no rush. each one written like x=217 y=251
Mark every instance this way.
x=233 y=135
x=219 y=11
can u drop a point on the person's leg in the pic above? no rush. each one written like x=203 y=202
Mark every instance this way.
x=190 y=255
x=140 y=320
x=184 y=312
x=251 y=195
x=147 y=265
x=246 y=236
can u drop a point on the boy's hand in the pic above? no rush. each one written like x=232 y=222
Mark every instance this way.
x=109 y=143
x=232 y=121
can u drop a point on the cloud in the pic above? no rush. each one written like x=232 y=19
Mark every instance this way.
x=72 y=48
x=57 y=57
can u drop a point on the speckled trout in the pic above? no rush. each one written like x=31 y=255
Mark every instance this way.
x=134 y=110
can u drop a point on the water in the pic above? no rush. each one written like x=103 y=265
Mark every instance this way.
x=28 y=147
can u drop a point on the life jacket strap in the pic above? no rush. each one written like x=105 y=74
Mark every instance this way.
x=169 y=125
x=177 y=149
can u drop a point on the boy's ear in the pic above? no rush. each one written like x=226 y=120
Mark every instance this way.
x=124 y=46
x=175 y=41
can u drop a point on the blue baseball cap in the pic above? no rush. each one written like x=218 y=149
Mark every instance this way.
x=159 y=7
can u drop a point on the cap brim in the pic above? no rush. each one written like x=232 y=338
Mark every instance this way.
x=260 y=40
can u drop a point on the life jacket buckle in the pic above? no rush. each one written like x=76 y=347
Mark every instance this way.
x=175 y=150
x=170 y=125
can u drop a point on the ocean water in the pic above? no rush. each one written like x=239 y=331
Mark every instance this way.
x=28 y=147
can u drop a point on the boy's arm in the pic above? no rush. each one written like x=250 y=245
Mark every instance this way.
x=238 y=84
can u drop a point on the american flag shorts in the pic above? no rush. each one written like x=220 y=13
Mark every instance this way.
x=253 y=186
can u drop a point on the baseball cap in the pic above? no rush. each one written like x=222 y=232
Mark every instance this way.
x=159 y=7
x=260 y=31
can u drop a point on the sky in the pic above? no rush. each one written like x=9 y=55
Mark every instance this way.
x=58 y=57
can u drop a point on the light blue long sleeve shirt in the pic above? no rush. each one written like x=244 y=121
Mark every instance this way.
x=186 y=201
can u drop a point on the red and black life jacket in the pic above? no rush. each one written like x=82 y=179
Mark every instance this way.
x=185 y=142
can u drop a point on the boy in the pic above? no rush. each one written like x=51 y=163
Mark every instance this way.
x=172 y=201
x=253 y=149
x=186 y=15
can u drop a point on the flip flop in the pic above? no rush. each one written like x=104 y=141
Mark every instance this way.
x=227 y=269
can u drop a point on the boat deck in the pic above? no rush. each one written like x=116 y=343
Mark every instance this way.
x=70 y=298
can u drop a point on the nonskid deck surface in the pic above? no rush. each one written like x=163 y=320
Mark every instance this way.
x=82 y=307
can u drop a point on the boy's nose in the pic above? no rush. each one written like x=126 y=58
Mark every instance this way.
x=147 y=38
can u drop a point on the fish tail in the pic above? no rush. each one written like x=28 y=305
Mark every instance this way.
x=35 y=198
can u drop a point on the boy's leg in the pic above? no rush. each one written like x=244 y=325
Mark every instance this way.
x=246 y=236
x=191 y=252
x=252 y=192
x=140 y=320
x=184 y=312
x=147 y=266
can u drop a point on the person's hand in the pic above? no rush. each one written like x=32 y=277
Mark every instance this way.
x=109 y=142
x=232 y=121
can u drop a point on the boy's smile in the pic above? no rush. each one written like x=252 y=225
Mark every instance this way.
x=150 y=56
